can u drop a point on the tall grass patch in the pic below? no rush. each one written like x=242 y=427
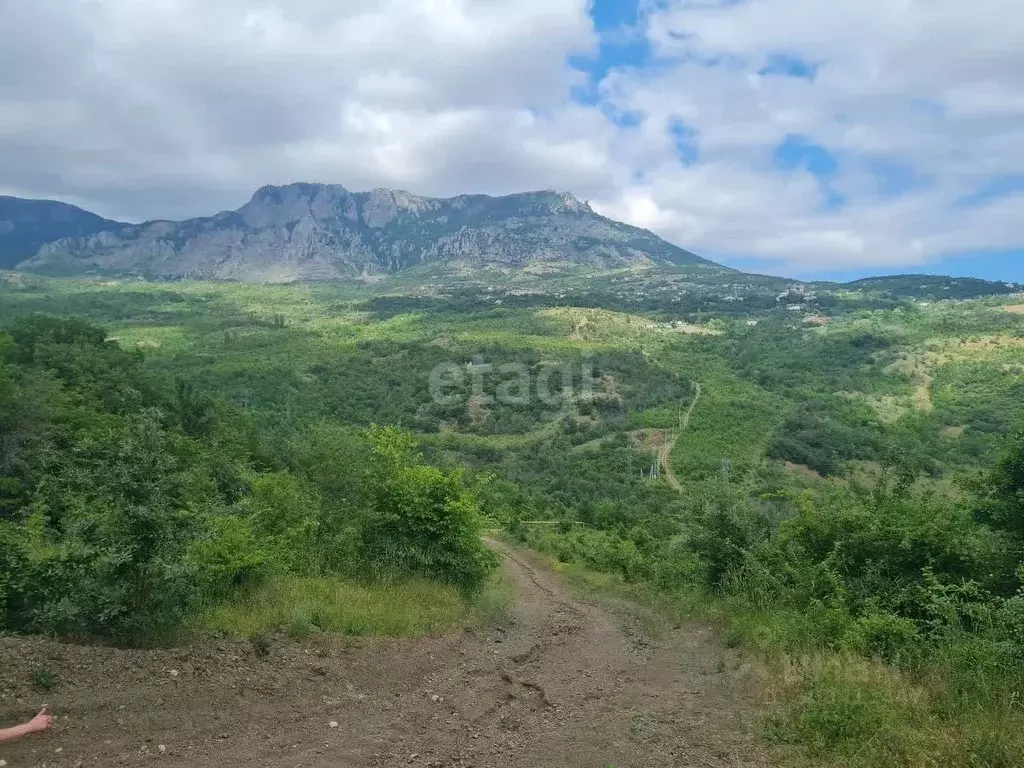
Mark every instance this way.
x=301 y=606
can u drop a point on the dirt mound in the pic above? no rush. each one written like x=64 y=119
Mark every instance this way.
x=563 y=684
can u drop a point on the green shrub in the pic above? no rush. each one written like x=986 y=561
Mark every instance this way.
x=285 y=513
x=228 y=556
x=885 y=637
x=424 y=521
x=726 y=529
x=1001 y=491
x=103 y=552
x=43 y=678
x=301 y=626
x=880 y=551
x=14 y=574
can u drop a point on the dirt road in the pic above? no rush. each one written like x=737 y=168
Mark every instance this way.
x=665 y=453
x=562 y=684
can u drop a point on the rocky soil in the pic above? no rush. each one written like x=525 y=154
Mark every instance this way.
x=562 y=683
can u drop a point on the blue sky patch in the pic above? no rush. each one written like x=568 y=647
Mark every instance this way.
x=800 y=152
x=789 y=66
x=996 y=188
x=622 y=43
x=686 y=140
x=894 y=179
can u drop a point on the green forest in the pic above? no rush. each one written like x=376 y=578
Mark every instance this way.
x=181 y=459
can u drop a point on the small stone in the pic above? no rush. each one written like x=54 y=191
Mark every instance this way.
x=3 y=764
x=175 y=673
x=332 y=724
x=162 y=747
x=435 y=698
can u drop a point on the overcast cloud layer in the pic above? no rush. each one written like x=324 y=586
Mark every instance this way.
x=825 y=135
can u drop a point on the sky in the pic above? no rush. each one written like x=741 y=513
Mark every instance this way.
x=795 y=137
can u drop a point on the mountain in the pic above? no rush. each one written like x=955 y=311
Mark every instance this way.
x=323 y=231
x=934 y=287
x=28 y=225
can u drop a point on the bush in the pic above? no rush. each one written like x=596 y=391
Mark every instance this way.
x=1001 y=492
x=14 y=574
x=285 y=513
x=823 y=436
x=726 y=529
x=877 y=552
x=228 y=556
x=423 y=521
x=103 y=551
x=885 y=637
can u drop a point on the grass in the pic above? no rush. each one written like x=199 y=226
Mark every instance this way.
x=302 y=606
x=647 y=610
x=839 y=709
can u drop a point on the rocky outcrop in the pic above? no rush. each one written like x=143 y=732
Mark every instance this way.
x=322 y=231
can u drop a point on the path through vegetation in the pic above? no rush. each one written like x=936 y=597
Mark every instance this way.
x=562 y=683
x=665 y=452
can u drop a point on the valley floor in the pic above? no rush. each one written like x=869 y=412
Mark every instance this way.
x=561 y=683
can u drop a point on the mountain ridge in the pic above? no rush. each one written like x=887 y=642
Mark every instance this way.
x=305 y=231
x=308 y=231
x=26 y=225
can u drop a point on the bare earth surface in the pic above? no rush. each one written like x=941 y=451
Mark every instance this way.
x=562 y=684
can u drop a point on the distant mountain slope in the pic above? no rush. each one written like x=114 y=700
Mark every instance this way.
x=934 y=287
x=318 y=231
x=28 y=225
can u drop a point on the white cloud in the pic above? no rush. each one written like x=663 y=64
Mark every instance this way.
x=182 y=107
x=919 y=101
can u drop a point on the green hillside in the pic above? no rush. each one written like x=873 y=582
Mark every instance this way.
x=847 y=484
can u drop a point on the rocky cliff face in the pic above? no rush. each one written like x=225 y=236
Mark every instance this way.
x=319 y=232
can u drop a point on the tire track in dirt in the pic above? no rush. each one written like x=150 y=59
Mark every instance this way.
x=561 y=683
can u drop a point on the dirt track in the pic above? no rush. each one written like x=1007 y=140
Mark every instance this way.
x=563 y=684
x=665 y=453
